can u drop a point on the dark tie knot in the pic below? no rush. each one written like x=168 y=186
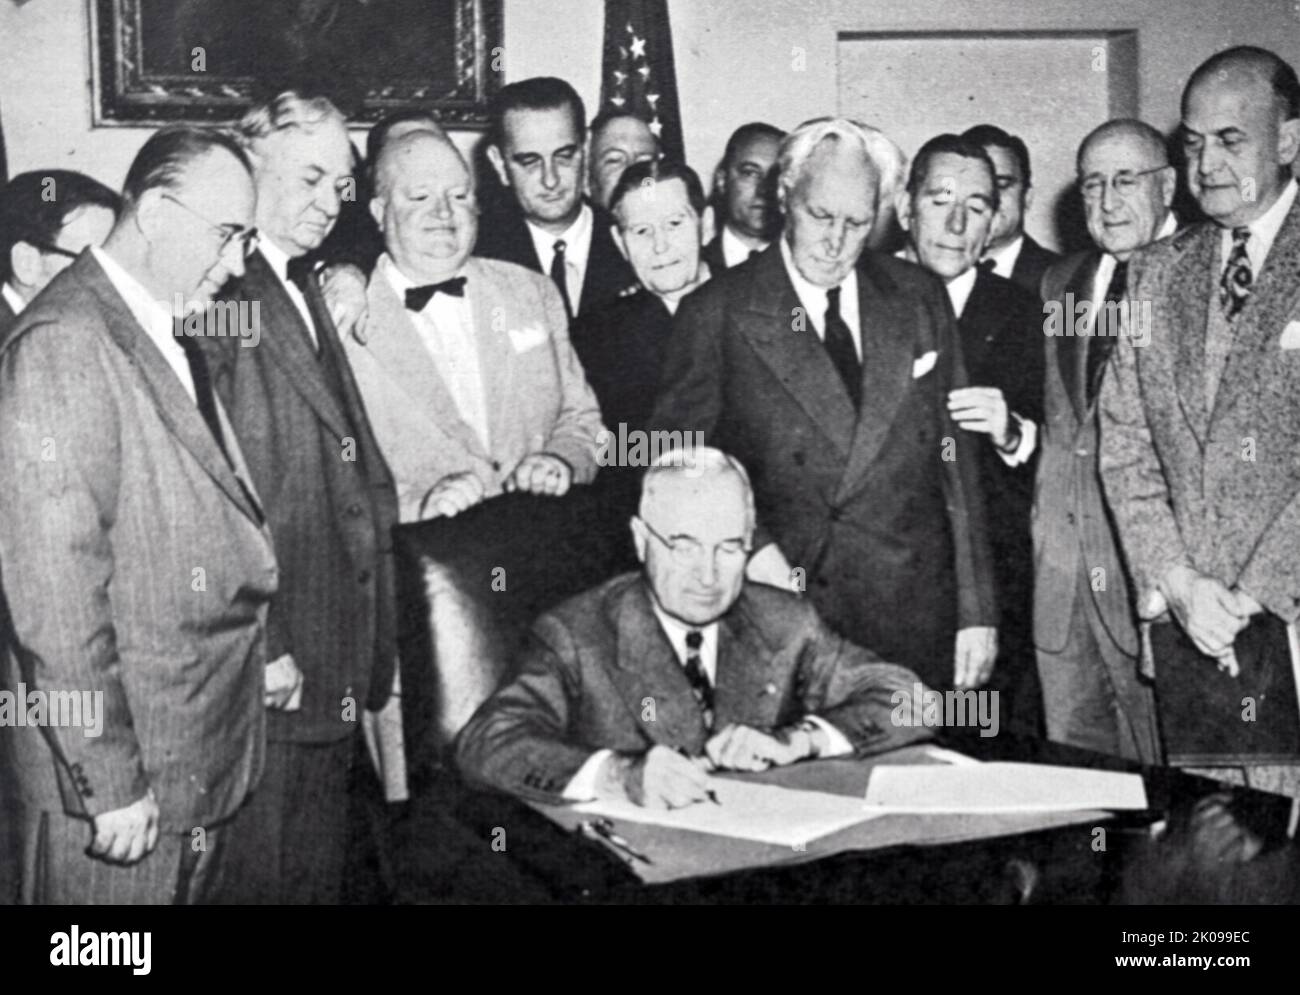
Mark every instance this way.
x=987 y=265
x=417 y=298
x=833 y=299
x=560 y=246
x=1240 y=236
x=694 y=640
x=300 y=272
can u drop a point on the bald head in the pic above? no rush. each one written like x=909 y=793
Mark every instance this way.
x=1250 y=67
x=1141 y=137
x=424 y=205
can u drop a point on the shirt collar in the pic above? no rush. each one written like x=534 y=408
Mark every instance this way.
x=676 y=631
x=153 y=316
x=577 y=239
x=1264 y=229
x=812 y=297
x=734 y=251
x=959 y=289
x=15 y=300
x=276 y=258
x=1004 y=259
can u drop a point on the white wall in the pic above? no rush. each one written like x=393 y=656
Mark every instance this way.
x=737 y=60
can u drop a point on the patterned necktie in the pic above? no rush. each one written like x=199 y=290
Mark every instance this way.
x=1100 y=346
x=839 y=344
x=417 y=298
x=694 y=668
x=560 y=274
x=1234 y=288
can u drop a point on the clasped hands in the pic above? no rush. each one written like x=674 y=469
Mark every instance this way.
x=664 y=778
x=1210 y=613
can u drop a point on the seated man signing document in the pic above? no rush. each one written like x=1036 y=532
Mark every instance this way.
x=636 y=688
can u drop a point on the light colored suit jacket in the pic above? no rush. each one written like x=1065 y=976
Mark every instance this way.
x=134 y=568
x=537 y=397
x=1217 y=490
x=594 y=663
x=1072 y=528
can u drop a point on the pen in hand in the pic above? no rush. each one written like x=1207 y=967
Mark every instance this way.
x=705 y=764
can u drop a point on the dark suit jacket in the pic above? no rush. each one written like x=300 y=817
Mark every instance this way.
x=330 y=502
x=503 y=234
x=1001 y=335
x=1030 y=266
x=712 y=254
x=883 y=514
x=622 y=347
x=591 y=664
x=1073 y=531
x=135 y=568
x=7 y=317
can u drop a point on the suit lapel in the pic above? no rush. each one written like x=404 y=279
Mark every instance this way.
x=1186 y=308
x=744 y=670
x=495 y=315
x=1072 y=350
x=607 y=271
x=404 y=357
x=289 y=344
x=1276 y=293
x=174 y=405
x=887 y=357
x=647 y=668
x=792 y=350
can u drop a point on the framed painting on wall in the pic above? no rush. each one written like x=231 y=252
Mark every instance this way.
x=207 y=60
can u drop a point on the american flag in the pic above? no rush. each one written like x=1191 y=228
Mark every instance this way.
x=639 y=76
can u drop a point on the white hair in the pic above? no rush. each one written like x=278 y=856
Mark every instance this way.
x=287 y=110
x=695 y=462
x=886 y=157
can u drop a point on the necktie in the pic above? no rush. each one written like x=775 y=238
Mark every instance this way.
x=987 y=265
x=207 y=402
x=1235 y=285
x=560 y=274
x=754 y=253
x=839 y=344
x=299 y=273
x=417 y=298
x=1101 y=346
x=700 y=685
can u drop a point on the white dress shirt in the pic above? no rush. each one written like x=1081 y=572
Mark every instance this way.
x=1263 y=231
x=813 y=300
x=14 y=299
x=1106 y=268
x=279 y=263
x=446 y=327
x=1004 y=259
x=154 y=317
x=734 y=251
x=577 y=250
x=582 y=786
x=959 y=290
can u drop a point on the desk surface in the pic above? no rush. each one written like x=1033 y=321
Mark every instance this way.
x=1168 y=854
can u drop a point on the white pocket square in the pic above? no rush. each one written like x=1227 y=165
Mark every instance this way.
x=528 y=337
x=924 y=364
x=1290 y=336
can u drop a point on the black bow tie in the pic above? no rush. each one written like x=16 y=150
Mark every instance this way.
x=987 y=265
x=417 y=298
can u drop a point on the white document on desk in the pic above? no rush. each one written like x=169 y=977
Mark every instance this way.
x=749 y=811
x=1001 y=787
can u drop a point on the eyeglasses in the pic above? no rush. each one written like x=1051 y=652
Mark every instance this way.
x=1123 y=183
x=687 y=551
x=229 y=233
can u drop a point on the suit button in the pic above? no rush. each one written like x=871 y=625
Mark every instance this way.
x=1069 y=517
x=837 y=514
x=496 y=466
x=364 y=577
x=355 y=510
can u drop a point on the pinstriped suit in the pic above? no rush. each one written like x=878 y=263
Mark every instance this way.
x=331 y=505
x=1085 y=632
x=133 y=566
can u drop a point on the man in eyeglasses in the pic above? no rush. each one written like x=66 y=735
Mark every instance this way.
x=137 y=563
x=330 y=502
x=47 y=217
x=1084 y=628
x=639 y=687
